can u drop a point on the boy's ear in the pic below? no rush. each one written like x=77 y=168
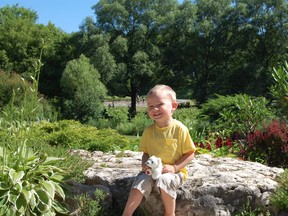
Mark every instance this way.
x=174 y=106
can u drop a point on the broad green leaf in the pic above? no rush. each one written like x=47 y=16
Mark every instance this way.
x=57 y=169
x=32 y=158
x=15 y=176
x=52 y=160
x=12 y=198
x=27 y=194
x=3 y=210
x=21 y=204
x=4 y=169
x=42 y=207
x=57 y=177
x=45 y=202
x=59 y=190
x=60 y=208
x=49 y=188
x=18 y=186
x=3 y=201
x=33 y=202
x=10 y=212
x=4 y=186
x=49 y=213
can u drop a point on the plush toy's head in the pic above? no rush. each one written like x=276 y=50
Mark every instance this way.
x=153 y=162
x=155 y=165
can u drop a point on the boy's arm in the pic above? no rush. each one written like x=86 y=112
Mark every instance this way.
x=182 y=162
x=145 y=157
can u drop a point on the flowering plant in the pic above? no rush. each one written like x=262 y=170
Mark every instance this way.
x=270 y=145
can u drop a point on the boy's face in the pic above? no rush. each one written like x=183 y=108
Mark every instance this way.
x=161 y=108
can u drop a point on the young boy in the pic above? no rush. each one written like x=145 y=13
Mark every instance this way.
x=169 y=140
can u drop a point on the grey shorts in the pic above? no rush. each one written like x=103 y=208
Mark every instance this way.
x=168 y=182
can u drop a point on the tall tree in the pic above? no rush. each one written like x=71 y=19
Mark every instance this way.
x=21 y=42
x=133 y=27
x=234 y=46
x=261 y=37
x=209 y=47
x=16 y=27
x=176 y=42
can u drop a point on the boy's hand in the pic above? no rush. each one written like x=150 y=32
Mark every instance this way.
x=168 y=169
x=145 y=167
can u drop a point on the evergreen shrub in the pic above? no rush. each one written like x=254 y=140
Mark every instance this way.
x=73 y=135
x=112 y=118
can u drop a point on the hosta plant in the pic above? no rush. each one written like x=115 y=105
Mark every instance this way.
x=29 y=183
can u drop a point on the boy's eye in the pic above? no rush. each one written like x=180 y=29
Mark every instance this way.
x=156 y=106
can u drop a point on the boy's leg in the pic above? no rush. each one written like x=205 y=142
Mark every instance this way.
x=134 y=200
x=141 y=187
x=168 y=183
x=169 y=203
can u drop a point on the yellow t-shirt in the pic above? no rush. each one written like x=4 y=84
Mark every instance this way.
x=169 y=143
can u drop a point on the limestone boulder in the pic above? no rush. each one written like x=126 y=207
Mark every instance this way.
x=216 y=186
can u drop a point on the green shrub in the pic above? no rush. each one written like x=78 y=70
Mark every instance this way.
x=112 y=118
x=280 y=89
x=126 y=128
x=280 y=196
x=18 y=96
x=30 y=183
x=249 y=211
x=118 y=118
x=239 y=113
x=134 y=143
x=82 y=91
x=140 y=122
x=71 y=134
x=73 y=164
x=89 y=206
x=188 y=116
x=108 y=140
x=117 y=115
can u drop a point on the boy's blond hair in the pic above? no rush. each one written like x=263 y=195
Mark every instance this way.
x=167 y=89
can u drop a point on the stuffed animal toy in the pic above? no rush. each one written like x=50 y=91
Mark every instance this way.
x=156 y=167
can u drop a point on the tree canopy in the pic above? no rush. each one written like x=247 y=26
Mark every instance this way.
x=200 y=48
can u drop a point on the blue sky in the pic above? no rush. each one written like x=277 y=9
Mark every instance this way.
x=65 y=14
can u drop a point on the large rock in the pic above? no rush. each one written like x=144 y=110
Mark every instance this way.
x=216 y=186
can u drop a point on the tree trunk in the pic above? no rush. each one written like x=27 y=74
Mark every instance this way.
x=133 y=95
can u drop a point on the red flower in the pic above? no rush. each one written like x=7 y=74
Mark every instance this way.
x=208 y=146
x=218 y=142
x=228 y=142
